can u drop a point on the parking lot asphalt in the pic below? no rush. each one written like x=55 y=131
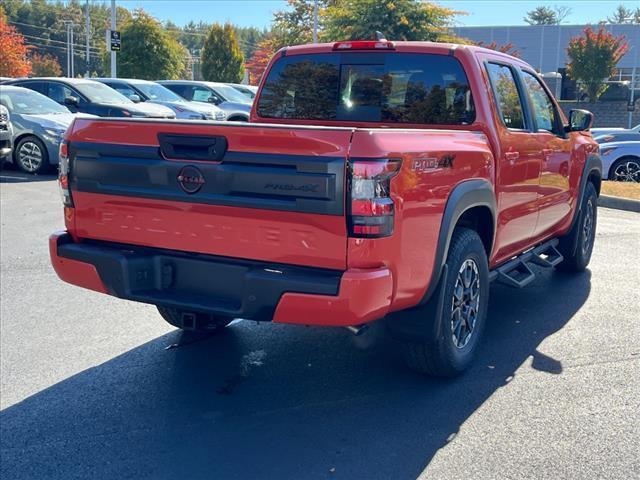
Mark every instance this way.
x=97 y=387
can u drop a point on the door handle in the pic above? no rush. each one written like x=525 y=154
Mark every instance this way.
x=512 y=156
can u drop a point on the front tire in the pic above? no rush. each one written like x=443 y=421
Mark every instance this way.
x=31 y=155
x=463 y=312
x=577 y=246
x=193 y=321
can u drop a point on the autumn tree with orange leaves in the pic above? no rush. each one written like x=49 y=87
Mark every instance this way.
x=508 y=48
x=259 y=60
x=13 y=56
x=593 y=58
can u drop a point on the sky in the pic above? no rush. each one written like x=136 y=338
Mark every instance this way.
x=258 y=13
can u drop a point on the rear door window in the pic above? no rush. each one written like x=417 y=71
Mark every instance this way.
x=507 y=96
x=369 y=87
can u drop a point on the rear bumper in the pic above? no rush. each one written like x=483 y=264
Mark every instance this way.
x=224 y=286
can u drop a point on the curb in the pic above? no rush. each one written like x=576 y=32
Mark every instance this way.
x=619 y=203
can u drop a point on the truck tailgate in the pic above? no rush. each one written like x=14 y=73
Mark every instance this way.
x=261 y=192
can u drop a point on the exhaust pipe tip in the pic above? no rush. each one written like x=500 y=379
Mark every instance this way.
x=358 y=330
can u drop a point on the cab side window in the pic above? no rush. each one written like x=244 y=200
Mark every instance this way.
x=543 y=109
x=506 y=95
x=201 y=94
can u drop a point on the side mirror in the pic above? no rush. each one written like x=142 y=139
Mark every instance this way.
x=71 y=101
x=135 y=98
x=579 y=121
x=214 y=100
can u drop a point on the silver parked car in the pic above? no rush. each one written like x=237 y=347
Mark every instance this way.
x=152 y=92
x=236 y=105
x=621 y=161
x=6 y=133
x=39 y=125
x=248 y=90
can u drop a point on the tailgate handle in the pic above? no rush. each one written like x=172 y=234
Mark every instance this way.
x=190 y=147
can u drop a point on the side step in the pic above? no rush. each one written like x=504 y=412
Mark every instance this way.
x=518 y=274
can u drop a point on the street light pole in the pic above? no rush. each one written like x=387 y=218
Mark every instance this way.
x=113 y=27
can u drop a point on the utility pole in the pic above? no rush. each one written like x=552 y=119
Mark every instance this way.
x=113 y=28
x=87 y=34
x=315 y=21
x=70 y=72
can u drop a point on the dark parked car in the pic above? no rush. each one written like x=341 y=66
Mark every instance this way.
x=236 y=105
x=95 y=98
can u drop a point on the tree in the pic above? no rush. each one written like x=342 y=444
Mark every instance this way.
x=294 y=26
x=397 y=20
x=222 y=60
x=623 y=14
x=541 y=16
x=45 y=65
x=561 y=13
x=148 y=51
x=593 y=58
x=13 y=60
x=43 y=25
x=508 y=48
x=260 y=59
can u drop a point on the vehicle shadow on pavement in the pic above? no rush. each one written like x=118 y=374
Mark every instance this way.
x=269 y=401
x=9 y=174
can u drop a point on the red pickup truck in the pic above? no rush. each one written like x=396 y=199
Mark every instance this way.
x=374 y=180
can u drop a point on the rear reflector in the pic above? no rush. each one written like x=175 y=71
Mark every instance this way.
x=371 y=211
x=364 y=45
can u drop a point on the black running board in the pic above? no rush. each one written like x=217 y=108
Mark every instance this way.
x=517 y=273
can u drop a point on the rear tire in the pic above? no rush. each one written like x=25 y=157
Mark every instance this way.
x=193 y=321
x=463 y=311
x=577 y=246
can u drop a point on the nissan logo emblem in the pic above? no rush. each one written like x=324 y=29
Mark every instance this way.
x=190 y=179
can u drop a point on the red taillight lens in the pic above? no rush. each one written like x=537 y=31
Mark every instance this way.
x=63 y=174
x=371 y=211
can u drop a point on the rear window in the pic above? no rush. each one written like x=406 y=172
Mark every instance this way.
x=369 y=87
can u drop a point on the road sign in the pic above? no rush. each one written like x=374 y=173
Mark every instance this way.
x=114 y=40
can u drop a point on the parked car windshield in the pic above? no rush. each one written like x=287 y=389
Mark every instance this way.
x=369 y=87
x=100 y=93
x=29 y=103
x=158 y=92
x=231 y=94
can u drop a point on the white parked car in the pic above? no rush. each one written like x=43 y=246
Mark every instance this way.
x=598 y=132
x=621 y=161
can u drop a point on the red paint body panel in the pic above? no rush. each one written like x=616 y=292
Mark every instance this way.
x=535 y=178
x=282 y=237
x=365 y=295
x=420 y=192
x=76 y=273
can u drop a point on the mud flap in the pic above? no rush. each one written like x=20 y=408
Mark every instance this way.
x=422 y=323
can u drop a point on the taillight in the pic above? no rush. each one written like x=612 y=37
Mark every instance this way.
x=364 y=45
x=371 y=210
x=63 y=174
